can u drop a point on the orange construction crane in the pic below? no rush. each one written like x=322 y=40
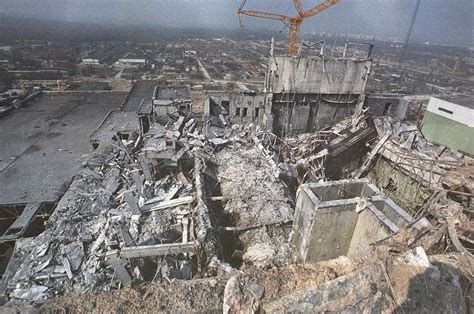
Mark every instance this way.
x=294 y=22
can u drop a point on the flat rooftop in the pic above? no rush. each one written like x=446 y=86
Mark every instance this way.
x=142 y=92
x=44 y=143
x=116 y=121
x=461 y=101
x=172 y=92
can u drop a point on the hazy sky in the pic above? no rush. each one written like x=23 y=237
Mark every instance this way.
x=449 y=21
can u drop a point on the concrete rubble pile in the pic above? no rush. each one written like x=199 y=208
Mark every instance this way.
x=111 y=207
x=258 y=206
x=331 y=153
x=447 y=177
x=128 y=214
x=191 y=200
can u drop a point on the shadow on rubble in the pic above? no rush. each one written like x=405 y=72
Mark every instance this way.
x=231 y=246
x=441 y=288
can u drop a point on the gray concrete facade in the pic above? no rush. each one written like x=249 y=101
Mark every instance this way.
x=236 y=107
x=343 y=218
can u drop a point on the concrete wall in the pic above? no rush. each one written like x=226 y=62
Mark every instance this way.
x=303 y=220
x=300 y=113
x=402 y=189
x=331 y=232
x=349 y=216
x=391 y=105
x=367 y=230
x=237 y=107
x=314 y=75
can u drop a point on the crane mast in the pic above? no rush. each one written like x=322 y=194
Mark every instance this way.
x=293 y=22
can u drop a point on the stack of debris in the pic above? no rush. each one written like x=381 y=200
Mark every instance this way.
x=258 y=207
x=117 y=223
x=331 y=153
x=185 y=202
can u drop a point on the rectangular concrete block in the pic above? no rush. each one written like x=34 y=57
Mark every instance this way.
x=342 y=218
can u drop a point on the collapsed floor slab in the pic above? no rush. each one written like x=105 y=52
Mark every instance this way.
x=258 y=207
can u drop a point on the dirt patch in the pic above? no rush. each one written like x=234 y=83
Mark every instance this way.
x=189 y=296
x=33 y=148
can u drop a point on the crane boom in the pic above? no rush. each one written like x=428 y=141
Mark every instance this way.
x=320 y=7
x=294 y=22
x=265 y=15
x=298 y=6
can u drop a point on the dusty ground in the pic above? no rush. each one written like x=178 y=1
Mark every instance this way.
x=395 y=287
x=201 y=294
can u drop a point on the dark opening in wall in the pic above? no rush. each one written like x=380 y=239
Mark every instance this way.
x=445 y=110
x=257 y=111
x=145 y=123
x=8 y=215
x=225 y=104
x=237 y=112
x=6 y=252
x=244 y=114
x=95 y=145
x=37 y=225
x=386 y=109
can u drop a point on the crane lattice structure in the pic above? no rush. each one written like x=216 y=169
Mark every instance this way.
x=293 y=22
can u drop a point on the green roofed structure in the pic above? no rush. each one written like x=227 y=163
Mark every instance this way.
x=450 y=122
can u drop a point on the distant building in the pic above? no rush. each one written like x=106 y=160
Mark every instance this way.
x=441 y=89
x=5 y=64
x=132 y=62
x=90 y=61
x=450 y=122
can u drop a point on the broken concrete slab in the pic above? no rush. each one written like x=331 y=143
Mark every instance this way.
x=20 y=225
x=168 y=204
x=158 y=250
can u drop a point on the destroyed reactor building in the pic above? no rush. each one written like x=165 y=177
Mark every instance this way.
x=295 y=199
x=301 y=93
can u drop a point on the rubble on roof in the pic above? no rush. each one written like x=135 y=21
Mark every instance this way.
x=188 y=200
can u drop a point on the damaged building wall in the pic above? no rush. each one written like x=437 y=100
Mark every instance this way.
x=236 y=107
x=295 y=113
x=397 y=185
x=171 y=100
x=311 y=93
x=387 y=104
x=396 y=106
x=288 y=74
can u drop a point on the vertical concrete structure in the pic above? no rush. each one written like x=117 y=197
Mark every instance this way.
x=301 y=94
x=312 y=92
x=343 y=218
x=237 y=107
